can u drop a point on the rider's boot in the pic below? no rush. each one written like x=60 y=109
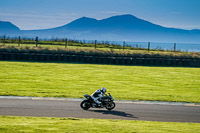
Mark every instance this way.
x=99 y=104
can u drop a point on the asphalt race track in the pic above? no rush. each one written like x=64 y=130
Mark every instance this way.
x=127 y=111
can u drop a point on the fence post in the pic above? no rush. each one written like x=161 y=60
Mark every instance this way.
x=148 y=46
x=66 y=43
x=123 y=45
x=19 y=41
x=95 y=44
x=4 y=39
x=174 y=47
x=36 y=41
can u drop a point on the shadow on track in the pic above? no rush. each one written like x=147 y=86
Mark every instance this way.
x=117 y=113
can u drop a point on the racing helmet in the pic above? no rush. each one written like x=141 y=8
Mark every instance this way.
x=103 y=89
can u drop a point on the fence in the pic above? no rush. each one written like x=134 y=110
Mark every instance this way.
x=122 y=45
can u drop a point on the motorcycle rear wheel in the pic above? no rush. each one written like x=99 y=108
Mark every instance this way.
x=110 y=106
x=85 y=105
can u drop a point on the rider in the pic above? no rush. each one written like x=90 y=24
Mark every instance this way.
x=98 y=94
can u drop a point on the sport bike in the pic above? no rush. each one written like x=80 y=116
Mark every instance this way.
x=106 y=100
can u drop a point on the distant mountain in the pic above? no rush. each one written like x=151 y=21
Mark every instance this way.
x=121 y=27
x=8 y=28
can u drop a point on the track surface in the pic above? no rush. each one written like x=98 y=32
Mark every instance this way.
x=128 y=111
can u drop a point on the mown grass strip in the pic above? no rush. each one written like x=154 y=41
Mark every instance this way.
x=63 y=125
x=123 y=82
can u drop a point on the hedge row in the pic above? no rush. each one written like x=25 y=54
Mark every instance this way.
x=99 y=59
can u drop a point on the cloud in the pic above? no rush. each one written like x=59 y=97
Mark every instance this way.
x=35 y=20
x=39 y=15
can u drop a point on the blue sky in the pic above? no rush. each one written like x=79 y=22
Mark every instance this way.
x=42 y=14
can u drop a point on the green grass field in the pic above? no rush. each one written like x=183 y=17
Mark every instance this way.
x=124 y=82
x=63 y=125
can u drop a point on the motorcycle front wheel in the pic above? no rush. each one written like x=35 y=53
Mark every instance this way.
x=85 y=105
x=110 y=106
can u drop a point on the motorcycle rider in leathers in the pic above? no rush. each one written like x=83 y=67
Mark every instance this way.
x=98 y=94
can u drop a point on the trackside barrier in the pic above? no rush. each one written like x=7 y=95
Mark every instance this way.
x=191 y=62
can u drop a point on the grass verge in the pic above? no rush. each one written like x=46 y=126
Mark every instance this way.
x=63 y=125
x=123 y=82
x=77 y=50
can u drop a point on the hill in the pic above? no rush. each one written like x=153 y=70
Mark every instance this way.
x=121 y=27
x=8 y=28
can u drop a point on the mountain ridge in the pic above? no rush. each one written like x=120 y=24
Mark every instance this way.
x=119 y=27
x=7 y=27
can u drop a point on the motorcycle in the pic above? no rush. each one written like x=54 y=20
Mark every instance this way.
x=106 y=100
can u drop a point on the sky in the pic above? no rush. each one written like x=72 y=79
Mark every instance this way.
x=43 y=14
